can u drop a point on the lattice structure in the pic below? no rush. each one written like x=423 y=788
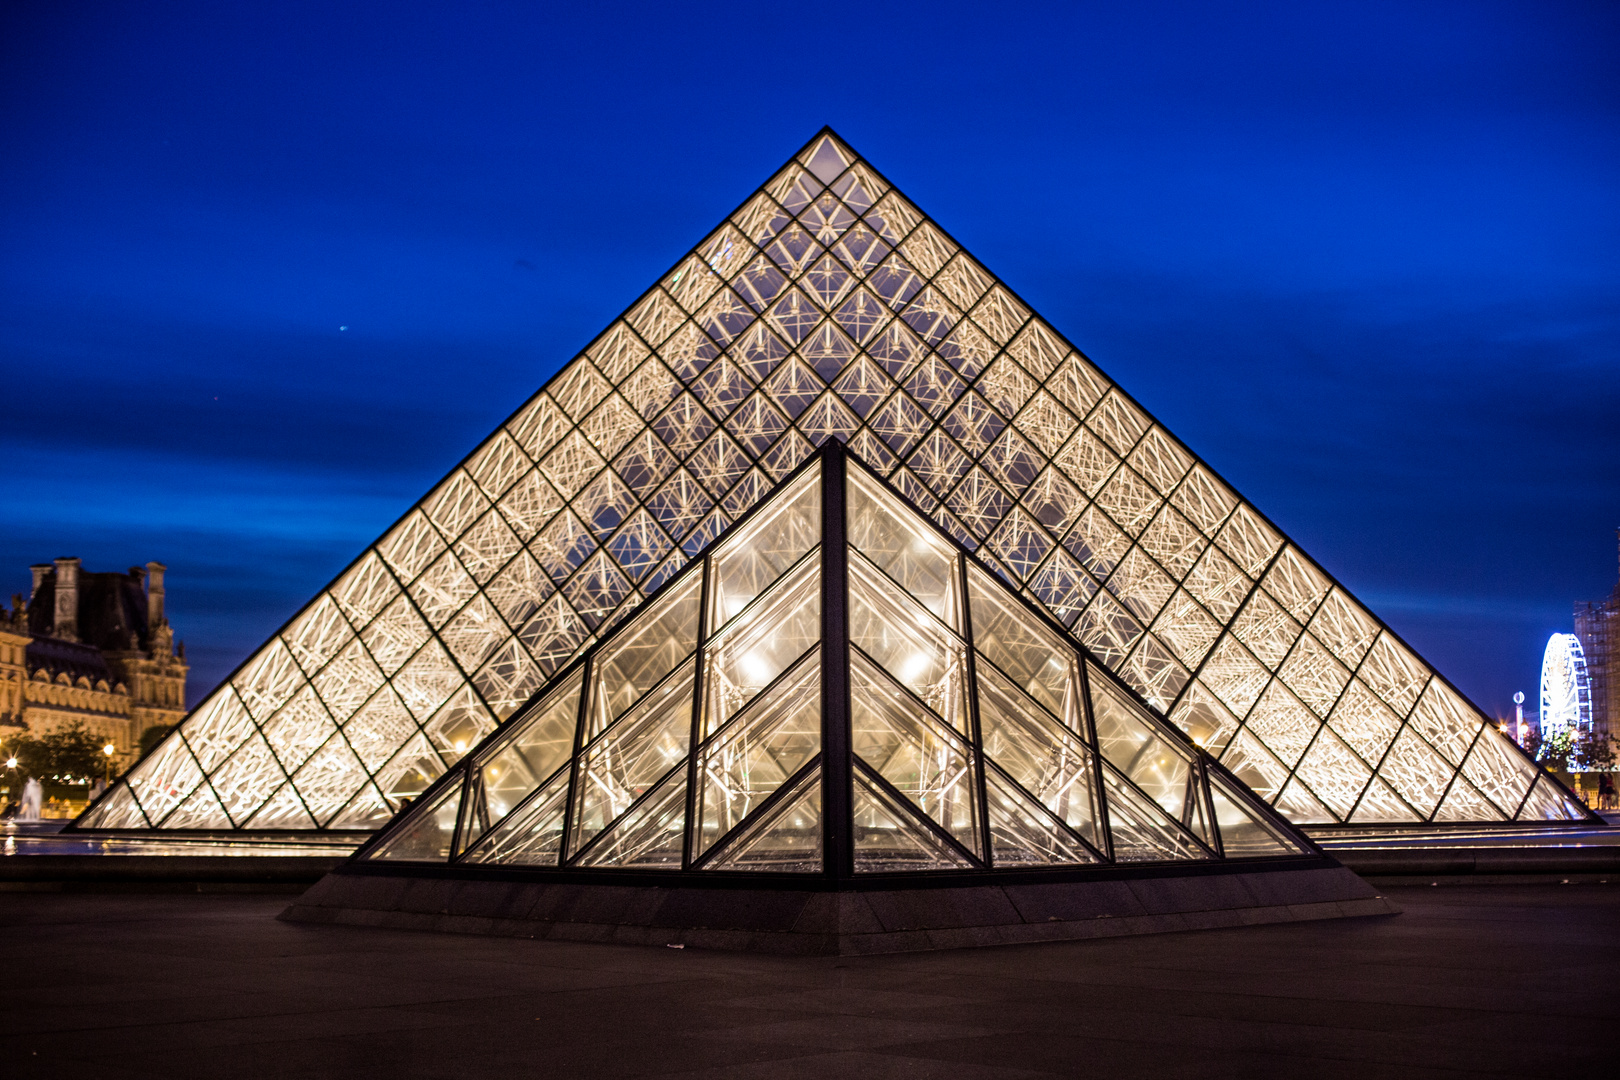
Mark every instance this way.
x=834 y=689
x=829 y=307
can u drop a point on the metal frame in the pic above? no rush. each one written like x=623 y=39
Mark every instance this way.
x=982 y=497
x=835 y=760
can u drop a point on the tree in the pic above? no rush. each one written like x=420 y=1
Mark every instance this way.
x=152 y=736
x=71 y=752
x=1593 y=752
x=1551 y=750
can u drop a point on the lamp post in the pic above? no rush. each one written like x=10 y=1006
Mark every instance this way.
x=108 y=750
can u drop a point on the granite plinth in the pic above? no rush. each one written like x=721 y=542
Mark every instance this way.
x=825 y=922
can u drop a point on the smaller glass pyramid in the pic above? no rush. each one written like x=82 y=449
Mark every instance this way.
x=835 y=687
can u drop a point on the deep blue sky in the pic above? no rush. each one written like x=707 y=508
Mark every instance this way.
x=1364 y=258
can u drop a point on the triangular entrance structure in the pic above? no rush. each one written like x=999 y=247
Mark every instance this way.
x=834 y=688
x=836 y=732
x=828 y=307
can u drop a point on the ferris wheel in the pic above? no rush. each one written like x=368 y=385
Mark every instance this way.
x=1566 y=692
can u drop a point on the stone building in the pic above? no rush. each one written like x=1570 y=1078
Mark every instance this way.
x=91 y=648
x=1597 y=625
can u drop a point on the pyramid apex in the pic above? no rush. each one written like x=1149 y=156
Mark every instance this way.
x=827 y=155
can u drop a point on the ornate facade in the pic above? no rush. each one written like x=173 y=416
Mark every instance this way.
x=94 y=649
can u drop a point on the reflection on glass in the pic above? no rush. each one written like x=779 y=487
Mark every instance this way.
x=650 y=835
x=749 y=653
x=533 y=835
x=1243 y=834
x=459 y=725
x=630 y=756
x=911 y=749
x=426 y=834
x=1022 y=833
x=1046 y=758
x=904 y=547
x=1129 y=740
x=756 y=753
x=410 y=772
x=907 y=641
x=534 y=746
x=787 y=840
x=747 y=563
x=644 y=652
x=1142 y=832
x=888 y=838
x=1016 y=642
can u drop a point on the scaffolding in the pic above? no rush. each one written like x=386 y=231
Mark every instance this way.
x=1597 y=624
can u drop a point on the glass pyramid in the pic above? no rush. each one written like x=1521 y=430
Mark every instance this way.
x=834 y=688
x=828 y=307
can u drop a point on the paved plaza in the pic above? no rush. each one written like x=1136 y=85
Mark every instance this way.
x=1469 y=980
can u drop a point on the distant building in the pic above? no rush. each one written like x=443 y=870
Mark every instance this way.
x=92 y=648
x=1597 y=625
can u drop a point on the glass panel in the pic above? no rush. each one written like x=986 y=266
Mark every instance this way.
x=1244 y=832
x=1049 y=760
x=754 y=650
x=911 y=749
x=1022 y=833
x=757 y=753
x=630 y=756
x=1142 y=832
x=165 y=778
x=367 y=810
x=651 y=835
x=785 y=841
x=284 y=811
x=1464 y=803
x=535 y=746
x=1300 y=805
x=425 y=834
x=533 y=835
x=1547 y=803
x=747 y=563
x=459 y=725
x=410 y=772
x=1015 y=641
x=644 y=652
x=886 y=837
x=1205 y=720
x=1379 y=804
x=1415 y=772
x=1498 y=769
x=1131 y=742
x=904 y=547
x=120 y=811
x=1335 y=773
x=905 y=640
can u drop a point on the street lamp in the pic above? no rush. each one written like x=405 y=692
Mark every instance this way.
x=108 y=750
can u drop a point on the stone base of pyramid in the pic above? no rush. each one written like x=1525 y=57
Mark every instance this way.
x=865 y=918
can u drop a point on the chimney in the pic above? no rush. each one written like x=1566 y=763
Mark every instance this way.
x=66 y=625
x=154 y=594
x=41 y=571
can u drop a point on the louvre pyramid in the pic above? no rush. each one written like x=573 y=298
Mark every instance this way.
x=833 y=688
x=828 y=307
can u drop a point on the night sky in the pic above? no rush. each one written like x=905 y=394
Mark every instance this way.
x=1363 y=258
